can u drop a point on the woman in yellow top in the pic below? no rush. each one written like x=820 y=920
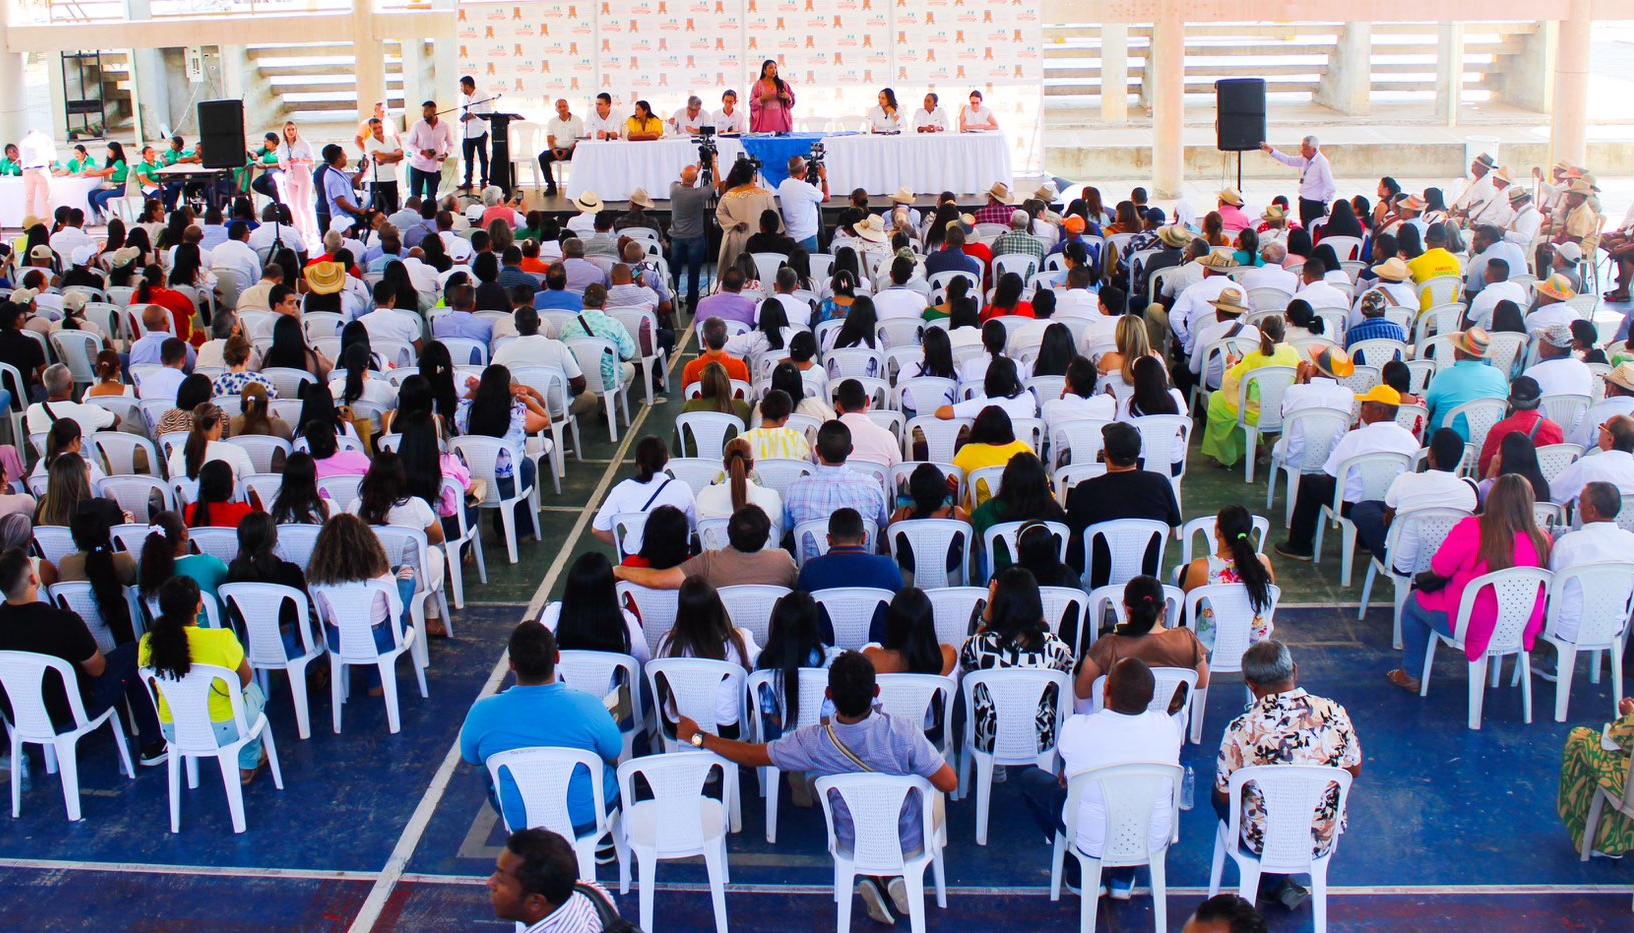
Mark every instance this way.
x=175 y=643
x=643 y=126
x=1222 y=439
x=991 y=443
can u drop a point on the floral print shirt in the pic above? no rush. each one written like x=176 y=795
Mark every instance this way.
x=1291 y=728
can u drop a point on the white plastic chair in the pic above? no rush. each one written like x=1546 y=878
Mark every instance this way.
x=655 y=608
x=53 y=542
x=1479 y=416
x=593 y=672
x=1006 y=533
x=221 y=543
x=813 y=684
x=481 y=455
x=697 y=472
x=678 y=822
x=349 y=608
x=1602 y=593
x=259 y=607
x=1128 y=795
x=1127 y=541
x=118 y=452
x=541 y=777
x=1430 y=528
x=1291 y=794
x=850 y=609
x=1319 y=430
x=1203 y=525
x=23 y=675
x=954 y=609
x=77 y=597
x=811 y=537
x=1565 y=409
x=588 y=352
x=703 y=434
x=920 y=698
x=263 y=450
x=1273 y=383
x=933 y=541
x=1517 y=590
x=134 y=493
x=408 y=546
x=1233 y=633
x=941 y=437
x=195 y=735
x=1016 y=694
x=874 y=803
x=780 y=474
x=1379 y=470
x=749 y=607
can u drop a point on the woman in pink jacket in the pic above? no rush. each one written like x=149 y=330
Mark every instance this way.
x=1504 y=536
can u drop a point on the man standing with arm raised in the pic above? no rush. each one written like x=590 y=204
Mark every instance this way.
x=1315 y=178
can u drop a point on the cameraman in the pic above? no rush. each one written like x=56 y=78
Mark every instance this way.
x=689 y=205
x=802 y=202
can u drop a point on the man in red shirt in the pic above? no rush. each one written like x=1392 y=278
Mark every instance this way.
x=1524 y=418
x=714 y=339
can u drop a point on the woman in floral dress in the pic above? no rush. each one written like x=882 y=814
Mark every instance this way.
x=1589 y=766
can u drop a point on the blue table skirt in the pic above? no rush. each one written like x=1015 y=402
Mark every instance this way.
x=774 y=153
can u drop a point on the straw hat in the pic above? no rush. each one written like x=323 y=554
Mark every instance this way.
x=1393 y=269
x=1274 y=213
x=1502 y=175
x=1174 y=236
x=588 y=203
x=1581 y=186
x=1000 y=192
x=1413 y=203
x=1556 y=286
x=1517 y=193
x=871 y=228
x=1622 y=376
x=1486 y=160
x=1231 y=302
x=1332 y=360
x=1473 y=342
x=1217 y=261
x=1232 y=196
x=641 y=199
x=125 y=255
x=1382 y=394
x=1047 y=193
x=902 y=196
x=325 y=278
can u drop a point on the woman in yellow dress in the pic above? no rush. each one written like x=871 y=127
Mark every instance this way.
x=739 y=210
x=1222 y=439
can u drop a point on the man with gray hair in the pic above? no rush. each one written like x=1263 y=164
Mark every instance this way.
x=1017 y=241
x=581 y=273
x=1284 y=726
x=1600 y=539
x=687 y=120
x=60 y=404
x=1316 y=186
x=1272 y=275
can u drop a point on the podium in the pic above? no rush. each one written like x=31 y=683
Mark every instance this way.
x=499 y=148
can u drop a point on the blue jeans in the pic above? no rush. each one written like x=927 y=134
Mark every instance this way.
x=475 y=150
x=383 y=640
x=1368 y=517
x=691 y=253
x=423 y=183
x=99 y=199
x=1416 y=625
x=809 y=244
x=249 y=754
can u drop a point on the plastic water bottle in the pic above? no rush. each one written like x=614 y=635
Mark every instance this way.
x=1188 y=788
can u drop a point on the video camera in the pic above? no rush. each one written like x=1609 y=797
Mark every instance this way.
x=814 y=161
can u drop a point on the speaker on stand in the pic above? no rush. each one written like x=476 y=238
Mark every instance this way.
x=1239 y=117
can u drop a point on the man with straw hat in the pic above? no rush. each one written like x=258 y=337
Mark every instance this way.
x=1392 y=280
x=1273 y=224
x=1316 y=385
x=1229 y=308
x=1231 y=211
x=1619 y=400
x=1479 y=191
x=1470 y=377
x=901 y=200
x=1496 y=210
x=998 y=206
x=1525 y=219
x=1195 y=300
x=588 y=204
x=1552 y=309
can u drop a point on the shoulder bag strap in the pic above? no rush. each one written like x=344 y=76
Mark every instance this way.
x=655 y=494
x=844 y=749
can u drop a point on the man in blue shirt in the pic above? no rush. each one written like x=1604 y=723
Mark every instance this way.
x=1469 y=377
x=539 y=712
x=849 y=563
x=555 y=296
x=461 y=320
x=952 y=256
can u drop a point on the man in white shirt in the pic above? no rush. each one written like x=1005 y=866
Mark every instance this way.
x=385 y=152
x=1079 y=401
x=1614 y=463
x=898 y=301
x=1498 y=288
x=1124 y=732
x=429 y=142
x=1557 y=370
x=802 y=202
x=784 y=287
x=730 y=120
x=236 y=254
x=164 y=383
x=1619 y=400
x=59 y=389
x=1438 y=487
x=1317 y=385
x=1074 y=298
x=1479 y=191
x=1316 y=291
x=36 y=153
x=386 y=322
x=474 y=129
x=602 y=122
x=531 y=348
x=1599 y=540
x=869 y=441
x=1394 y=282
x=1524 y=223
x=583 y=223
x=1553 y=293
x=1271 y=275
x=1229 y=308
x=1197 y=299
x=1378 y=433
x=562 y=133
x=1496 y=211
x=1486 y=244
x=687 y=120
x=1316 y=186
x=931 y=118
x=71 y=236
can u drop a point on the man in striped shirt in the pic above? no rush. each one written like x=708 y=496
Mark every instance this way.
x=536 y=884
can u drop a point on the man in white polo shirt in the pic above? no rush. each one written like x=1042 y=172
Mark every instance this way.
x=1600 y=539
x=1614 y=463
x=59 y=404
x=1557 y=370
x=898 y=301
x=802 y=202
x=1438 y=487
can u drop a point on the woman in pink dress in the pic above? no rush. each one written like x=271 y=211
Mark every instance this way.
x=770 y=102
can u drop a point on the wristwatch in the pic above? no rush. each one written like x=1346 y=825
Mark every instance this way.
x=697 y=740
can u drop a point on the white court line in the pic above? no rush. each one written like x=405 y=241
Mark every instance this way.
x=200 y=870
x=415 y=830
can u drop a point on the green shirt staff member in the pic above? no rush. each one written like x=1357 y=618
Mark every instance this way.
x=260 y=172
x=113 y=178
x=80 y=164
x=10 y=166
x=177 y=153
x=147 y=171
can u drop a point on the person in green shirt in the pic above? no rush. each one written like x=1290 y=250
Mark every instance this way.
x=80 y=164
x=178 y=152
x=113 y=176
x=147 y=171
x=261 y=172
x=10 y=165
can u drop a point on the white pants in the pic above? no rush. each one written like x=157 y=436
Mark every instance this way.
x=37 y=194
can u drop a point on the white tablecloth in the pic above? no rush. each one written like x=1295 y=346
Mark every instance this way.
x=927 y=163
x=614 y=169
x=66 y=190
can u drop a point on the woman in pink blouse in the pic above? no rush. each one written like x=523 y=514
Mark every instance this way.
x=1504 y=536
x=771 y=101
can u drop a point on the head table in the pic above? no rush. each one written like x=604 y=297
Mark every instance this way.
x=66 y=191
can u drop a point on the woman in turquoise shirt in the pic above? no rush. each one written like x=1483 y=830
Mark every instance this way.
x=165 y=554
x=113 y=182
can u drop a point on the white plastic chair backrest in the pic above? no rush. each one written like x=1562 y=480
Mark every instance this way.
x=1160 y=436
x=696 y=472
x=941 y=437
x=1129 y=795
x=1103 y=598
x=1443 y=289
x=295 y=543
x=1061 y=604
x=588 y=351
x=922 y=394
x=954 y=609
x=780 y=474
x=221 y=543
x=1564 y=409
x=1267 y=298
x=854 y=363
x=812 y=686
x=1273 y=383
x=874 y=803
x=1127 y=540
x=133 y=493
x=1065 y=478
x=1233 y=621
x=349 y=607
x=693 y=685
x=1553 y=458
x=405 y=546
x=1430 y=528
x=1290 y=795
x=749 y=606
x=932 y=541
x=54 y=542
x=704 y=434
x=913 y=697
x=465 y=351
x=77 y=349
x=542 y=776
x=481 y=456
x=1259 y=530
x=23 y=675
x=677 y=781
x=1378 y=470
x=1016 y=694
x=1080 y=439
x=341 y=490
x=1480 y=415
x=260 y=608
x=189 y=701
x=1601 y=592
x=811 y=537
x=591 y=671
x=655 y=608
x=850 y=609
x=76 y=596
x=263 y=449
x=1517 y=590
x=1319 y=430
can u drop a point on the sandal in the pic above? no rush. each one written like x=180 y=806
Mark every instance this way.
x=1404 y=680
x=246 y=775
x=436 y=629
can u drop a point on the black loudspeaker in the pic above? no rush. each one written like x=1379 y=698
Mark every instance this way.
x=1239 y=122
x=221 y=133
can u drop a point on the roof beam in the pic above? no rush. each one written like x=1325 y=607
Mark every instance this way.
x=178 y=31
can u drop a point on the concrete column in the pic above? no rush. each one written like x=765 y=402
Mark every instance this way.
x=1347 y=86
x=369 y=54
x=445 y=65
x=1449 y=72
x=1168 y=67
x=1527 y=76
x=148 y=74
x=1569 y=122
x=13 y=92
x=1114 y=73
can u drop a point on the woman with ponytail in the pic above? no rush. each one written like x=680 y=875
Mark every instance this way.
x=1222 y=439
x=739 y=487
x=166 y=553
x=96 y=562
x=204 y=444
x=175 y=643
x=1235 y=560
x=1144 y=635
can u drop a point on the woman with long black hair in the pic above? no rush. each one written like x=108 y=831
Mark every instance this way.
x=703 y=630
x=909 y=645
x=96 y=562
x=1235 y=560
x=1014 y=635
x=298 y=502
x=793 y=640
x=257 y=561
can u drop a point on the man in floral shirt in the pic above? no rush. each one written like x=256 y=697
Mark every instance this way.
x=1285 y=725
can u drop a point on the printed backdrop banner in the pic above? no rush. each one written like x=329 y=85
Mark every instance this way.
x=837 y=55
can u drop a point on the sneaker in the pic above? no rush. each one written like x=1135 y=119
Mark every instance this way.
x=1293 y=894
x=1121 y=889
x=1286 y=550
x=898 y=889
x=1596 y=853
x=156 y=754
x=873 y=899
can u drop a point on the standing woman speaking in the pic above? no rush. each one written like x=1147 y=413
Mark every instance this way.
x=770 y=102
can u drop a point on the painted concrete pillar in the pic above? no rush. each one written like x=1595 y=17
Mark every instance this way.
x=369 y=54
x=1114 y=73
x=1168 y=69
x=149 y=73
x=1569 y=124
x=1449 y=72
x=13 y=93
x=1347 y=86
